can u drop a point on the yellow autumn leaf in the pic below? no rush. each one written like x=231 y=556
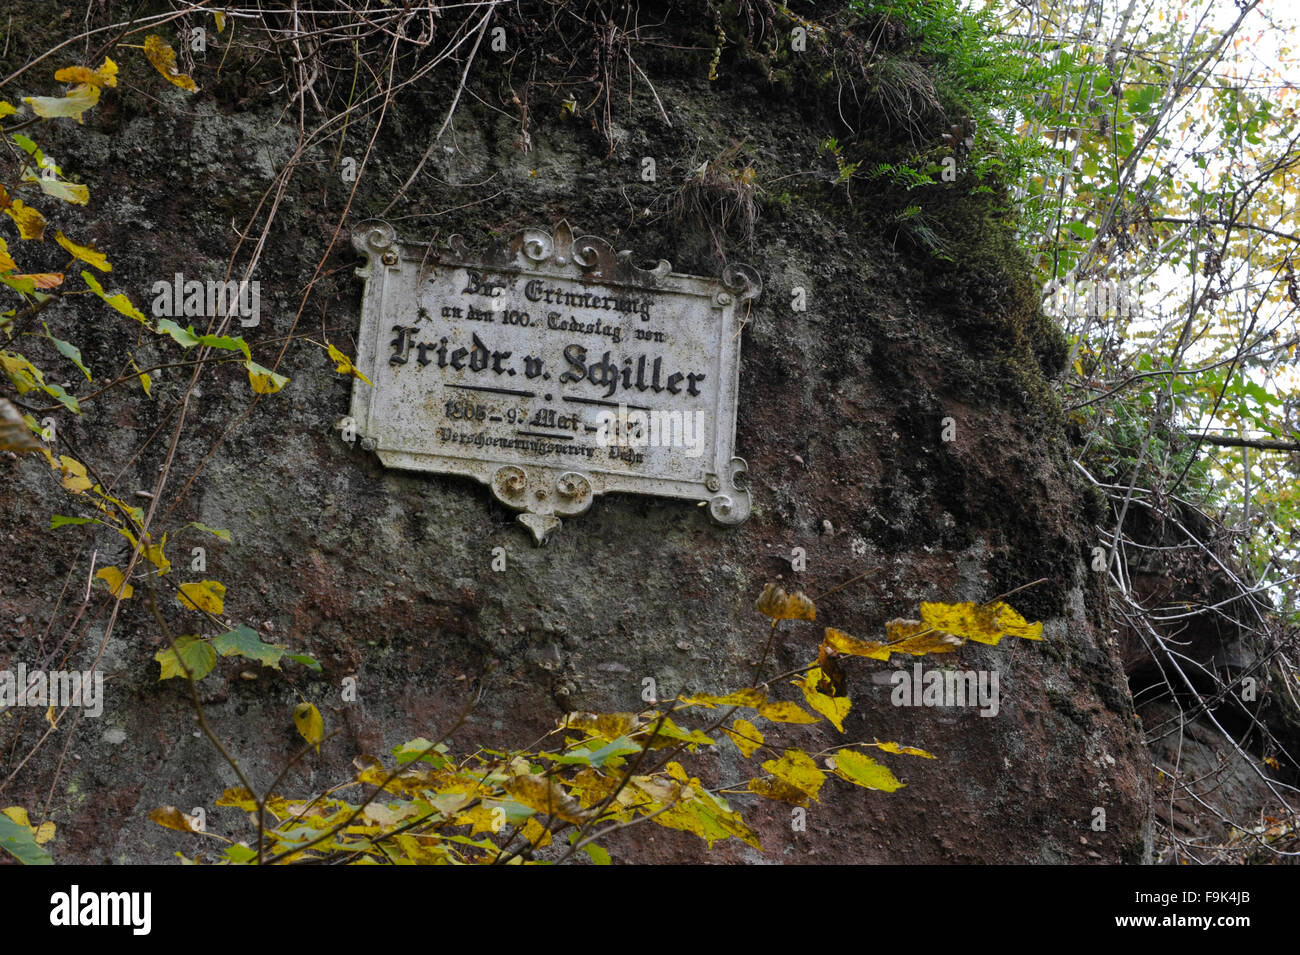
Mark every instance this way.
x=834 y=708
x=24 y=375
x=74 y=475
x=19 y=815
x=264 y=381
x=163 y=58
x=30 y=222
x=343 y=364
x=772 y=788
x=154 y=554
x=7 y=109
x=545 y=795
x=86 y=253
x=746 y=736
x=172 y=818
x=73 y=104
x=864 y=771
x=785 y=712
x=774 y=602
x=609 y=726
x=44 y=833
x=841 y=642
x=106 y=75
x=239 y=797
x=904 y=750
x=796 y=768
x=207 y=595
x=751 y=698
x=917 y=638
x=117 y=301
x=145 y=381
x=221 y=20
x=116 y=581
x=536 y=833
x=480 y=818
x=983 y=623
x=308 y=721
x=7 y=264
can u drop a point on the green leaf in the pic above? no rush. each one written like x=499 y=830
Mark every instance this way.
x=239 y=853
x=420 y=749
x=196 y=654
x=307 y=661
x=68 y=401
x=244 y=642
x=598 y=855
x=68 y=351
x=222 y=341
x=186 y=339
x=19 y=842
x=224 y=535
x=58 y=520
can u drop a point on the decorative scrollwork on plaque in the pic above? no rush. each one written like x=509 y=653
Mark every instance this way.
x=552 y=368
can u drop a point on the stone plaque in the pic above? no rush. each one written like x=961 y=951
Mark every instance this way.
x=552 y=369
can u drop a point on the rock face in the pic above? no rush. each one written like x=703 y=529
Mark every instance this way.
x=387 y=576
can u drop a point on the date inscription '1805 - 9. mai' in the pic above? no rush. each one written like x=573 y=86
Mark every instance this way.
x=553 y=369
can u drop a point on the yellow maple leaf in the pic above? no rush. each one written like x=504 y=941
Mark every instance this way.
x=85 y=253
x=746 y=736
x=750 y=697
x=864 y=771
x=905 y=750
x=116 y=581
x=785 y=712
x=834 y=708
x=263 y=380
x=205 y=595
x=796 y=768
x=841 y=642
x=74 y=475
x=106 y=75
x=154 y=554
x=983 y=623
x=30 y=222
x=343 y=364
x=163 y=58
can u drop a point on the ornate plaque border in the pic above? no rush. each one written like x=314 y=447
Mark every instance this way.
x=545 y=493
